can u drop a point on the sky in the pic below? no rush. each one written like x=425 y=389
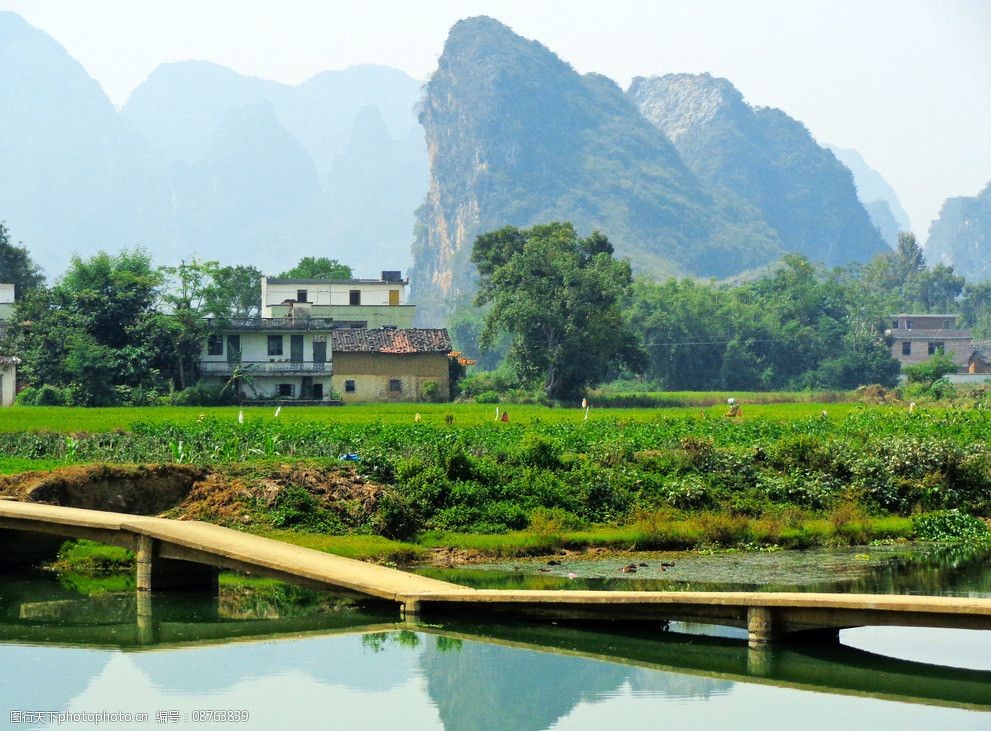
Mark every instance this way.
x=905 y=83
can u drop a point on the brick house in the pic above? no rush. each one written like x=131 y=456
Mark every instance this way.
x=980 y=358
x=391 y=365
x=916 y=338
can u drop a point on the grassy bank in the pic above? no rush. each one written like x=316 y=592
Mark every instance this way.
x=796 y=475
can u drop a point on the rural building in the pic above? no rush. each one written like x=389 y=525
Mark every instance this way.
x=319 y=339
x=980 y=358
x=6 y=301
x=391 y=365
x=353 y=303
x=916 y=338
x=8 y=379
x=272 y=358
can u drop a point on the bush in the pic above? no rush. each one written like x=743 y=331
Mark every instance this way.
x=950 y=525
x=44 y=396
x=487 y=397
x=431 y=391
x=930 y=371
x=202 y=394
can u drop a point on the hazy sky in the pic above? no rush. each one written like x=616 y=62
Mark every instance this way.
x=907 y=84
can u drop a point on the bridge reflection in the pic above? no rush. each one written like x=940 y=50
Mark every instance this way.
x=139 y=621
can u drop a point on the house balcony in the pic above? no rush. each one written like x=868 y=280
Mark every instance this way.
x=265 y=367
x=273 y=324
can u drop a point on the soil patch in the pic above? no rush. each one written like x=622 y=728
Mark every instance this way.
x=136 y=489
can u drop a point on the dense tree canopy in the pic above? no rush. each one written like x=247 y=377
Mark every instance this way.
x=16 y=266
x=558 y=298
x=318 y=267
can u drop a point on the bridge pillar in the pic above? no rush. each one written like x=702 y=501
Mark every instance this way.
x=155 y=573
x=411 y=610
x=762 y=626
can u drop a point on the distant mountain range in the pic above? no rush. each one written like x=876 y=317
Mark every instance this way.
x=961 y=236
x=205 y=162
x=682 y=174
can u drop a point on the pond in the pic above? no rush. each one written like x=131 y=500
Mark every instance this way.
x=285 y=657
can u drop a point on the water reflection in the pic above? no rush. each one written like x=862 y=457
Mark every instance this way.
x=319 y=662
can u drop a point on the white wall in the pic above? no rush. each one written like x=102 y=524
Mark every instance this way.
x=6 y=293
x=254 y=347
x=374 y=293
x=8 y=379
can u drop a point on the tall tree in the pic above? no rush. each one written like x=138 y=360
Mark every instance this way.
x=310 y=267
x=558 y=297
x=16 y=266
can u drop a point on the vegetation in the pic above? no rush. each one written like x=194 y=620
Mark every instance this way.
x=16 y=265
x=557 y=296
x=318 y=267
x=658 y=481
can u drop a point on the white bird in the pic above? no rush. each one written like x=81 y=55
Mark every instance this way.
x=240 y=416
x=278 y=410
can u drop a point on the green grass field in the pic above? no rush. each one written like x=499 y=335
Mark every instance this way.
x=73 y=419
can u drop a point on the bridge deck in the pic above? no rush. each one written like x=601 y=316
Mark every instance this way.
x=766 y=614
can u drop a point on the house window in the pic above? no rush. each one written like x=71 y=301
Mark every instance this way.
x=395 y=385
x=349 y=387
x=894 y=324
x=393 y=297
x=936 y=346
x=906 y=348
x=947 y=324
x=301 y=295
x=215 y=345
x=354 y=297
x=275 y=345
x=287 y=390
x=908 y=324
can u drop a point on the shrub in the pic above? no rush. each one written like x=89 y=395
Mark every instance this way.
x=397 y=517
x=487 y=397
x=537 y=450
x=431 y=391
x=45 y=395
x=950 y=525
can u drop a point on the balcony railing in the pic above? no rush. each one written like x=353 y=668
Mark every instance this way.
x=264 y=367
x=275 y=323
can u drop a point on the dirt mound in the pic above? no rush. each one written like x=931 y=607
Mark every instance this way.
x=252 y=494
x=135 y=489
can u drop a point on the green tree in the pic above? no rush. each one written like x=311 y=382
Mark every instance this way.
x=310 y=267
x=236 y=292
x=929 y=371
x=16 y=266
x=558 y=297
x=93 y=332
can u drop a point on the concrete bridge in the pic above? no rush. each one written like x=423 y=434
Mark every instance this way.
x=175 y=554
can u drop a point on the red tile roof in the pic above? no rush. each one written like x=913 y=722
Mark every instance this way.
x=415 y=340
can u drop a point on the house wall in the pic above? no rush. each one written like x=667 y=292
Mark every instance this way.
x=979 y=366
x=375 y=316
x=6 y=301
x=372 y=293
x=372 y=372
x=8 y=381
x=959 y=349
x=254 y=347
x=267 y=386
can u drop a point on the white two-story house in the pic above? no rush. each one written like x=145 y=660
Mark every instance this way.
x=270 y=358
x=351 y=303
